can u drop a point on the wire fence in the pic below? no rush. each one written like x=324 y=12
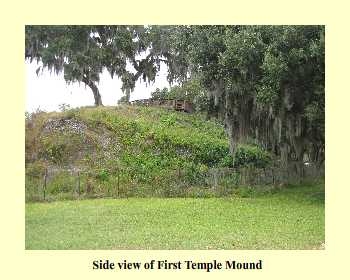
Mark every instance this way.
x=76 y=183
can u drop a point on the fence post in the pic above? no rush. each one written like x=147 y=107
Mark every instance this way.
x=244 y=176
x=45 y=182
x=179 y=176
x=215 y=179
x=118 y=181
x=78 y=183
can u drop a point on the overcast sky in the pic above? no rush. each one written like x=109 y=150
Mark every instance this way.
x=48 y=90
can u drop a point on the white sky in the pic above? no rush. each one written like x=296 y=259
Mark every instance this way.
x=48 y=90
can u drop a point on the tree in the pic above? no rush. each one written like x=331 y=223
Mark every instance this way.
x=83 y=52
x=160 y=94
x=123 y=100
x=278 y=80
x=72 y=50
x=265 y=82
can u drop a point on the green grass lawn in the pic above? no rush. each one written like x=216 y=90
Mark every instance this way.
x=293 y=218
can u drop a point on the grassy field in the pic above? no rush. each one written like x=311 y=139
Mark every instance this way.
x=293 y=218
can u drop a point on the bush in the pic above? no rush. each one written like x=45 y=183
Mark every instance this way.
x=251 y=155
x=102 y=175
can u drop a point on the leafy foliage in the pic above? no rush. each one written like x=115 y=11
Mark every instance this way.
x=265 y=82
x=190 y=90
x=135 y=145
x=83 y=52
x=246 y=155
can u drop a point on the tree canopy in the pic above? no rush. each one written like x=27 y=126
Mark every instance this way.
x=265 y=82
x=83 y=52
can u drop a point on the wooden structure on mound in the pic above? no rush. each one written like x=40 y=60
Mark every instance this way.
x=174 y=104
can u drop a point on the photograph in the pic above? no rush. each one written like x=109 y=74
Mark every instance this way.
x=175 y=137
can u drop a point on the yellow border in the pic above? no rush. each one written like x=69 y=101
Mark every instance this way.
x=16 y=263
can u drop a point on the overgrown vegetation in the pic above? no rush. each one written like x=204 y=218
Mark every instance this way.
x=127 y=151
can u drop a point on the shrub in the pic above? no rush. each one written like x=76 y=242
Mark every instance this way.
x=251 y=155
x=102 y=175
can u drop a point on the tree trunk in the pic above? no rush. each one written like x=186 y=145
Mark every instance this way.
x=127 y=94
x=95 y=91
